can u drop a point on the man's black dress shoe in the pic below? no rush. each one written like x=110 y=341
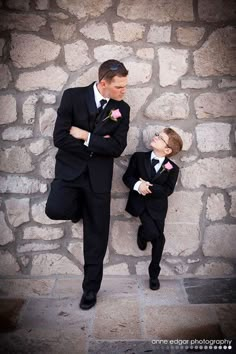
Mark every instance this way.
x=154 y=284
x=142 y=244
x=88 y=300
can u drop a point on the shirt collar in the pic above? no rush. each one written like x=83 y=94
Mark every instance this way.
x=98 y=96
x=154 y=156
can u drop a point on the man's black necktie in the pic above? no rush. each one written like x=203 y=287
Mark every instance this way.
x=154 y=162
x=102 y=102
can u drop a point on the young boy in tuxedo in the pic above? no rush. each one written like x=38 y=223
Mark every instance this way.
x=151 y=177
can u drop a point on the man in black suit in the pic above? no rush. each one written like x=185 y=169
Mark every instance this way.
x=151 y=177
x=90 y=130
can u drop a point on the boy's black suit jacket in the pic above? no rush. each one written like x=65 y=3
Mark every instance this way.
x=163 y=185
x=78 y=108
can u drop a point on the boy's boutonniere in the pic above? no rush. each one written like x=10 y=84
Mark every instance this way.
x=166 y=167
x=114 y=115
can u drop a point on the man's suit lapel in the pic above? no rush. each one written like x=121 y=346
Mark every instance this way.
x=91 y=105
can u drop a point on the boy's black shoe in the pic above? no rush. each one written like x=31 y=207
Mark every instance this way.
x=88 y=300
x=154 y=284
x=142 y=244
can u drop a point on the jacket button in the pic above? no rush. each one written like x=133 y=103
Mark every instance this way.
x=91 y=154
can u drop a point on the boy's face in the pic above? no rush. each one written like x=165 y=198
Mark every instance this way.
x=159 y=144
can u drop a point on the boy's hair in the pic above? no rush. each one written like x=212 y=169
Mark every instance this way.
x=111 y=68
x=175 y=142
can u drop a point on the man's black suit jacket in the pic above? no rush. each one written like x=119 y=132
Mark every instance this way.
x=78 y=108
x=163 y=182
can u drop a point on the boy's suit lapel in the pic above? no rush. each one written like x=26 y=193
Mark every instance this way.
x=147 y=163
x=159 y=172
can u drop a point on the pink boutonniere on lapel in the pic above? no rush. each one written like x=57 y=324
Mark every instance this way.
x=114 y=115
x=166 y=167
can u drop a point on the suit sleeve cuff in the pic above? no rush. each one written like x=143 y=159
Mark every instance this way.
x=86 y=143
x=136 y=186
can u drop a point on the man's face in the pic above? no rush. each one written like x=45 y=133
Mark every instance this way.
x=160 y=143
x=116 y=88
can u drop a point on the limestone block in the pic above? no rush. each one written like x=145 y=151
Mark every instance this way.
x=2 y=43
x=214 y=269
x=29 y=50
x=159 y=34
x=116 y=269
x=38 y=214
x=108 y=51
x=42 y=233
x=85 y=8
x=217 y=55
x=118 y=206
x=136 y=98
x=215 y=207
x=21 y=22
x=48 y=98
x=8 y=264
x=233 y=204
x=145 y=53
x=27 y=287
x=215 y=105
x=51 y=264
x=76 y=55
x=46 y=233
x=58 y=15
x=173 y=64
x=42 y=4
x=15 y=159
x=62 y=31
x=52 y=78
x=23 y=185
x=182 y=239
x=77 y=230
x=127 y=32
x=132 y=141
x=96 y=30
x=217 y=10
x=195 y=84
x=149 y=132
x=24 y=260
x=219 y=241
x=5 y=76
x=37 y=247
x=47 y=120
x=17 y=211
x=17 y=133
x=124 y=235
x=86 y=78
x=18 y=4
x=169 y=106
x=77 y=249
x=138 y=72
x=213 y=136
x=6 y=234
x=39 y=146
x=117 y=184
x=156 y=9
x=210 y=172
x=47 y=165
x=8 y=112
x=189 y=36
x=28 y=109
x=179 y=210
x=227 y=83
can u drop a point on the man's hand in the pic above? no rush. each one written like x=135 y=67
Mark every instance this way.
x=79 y=133
x=144 y=187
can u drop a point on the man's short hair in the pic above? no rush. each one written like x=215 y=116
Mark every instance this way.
x=111 y=68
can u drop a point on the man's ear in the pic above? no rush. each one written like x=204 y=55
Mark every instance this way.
x=168 y=151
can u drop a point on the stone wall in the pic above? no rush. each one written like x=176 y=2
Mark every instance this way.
x=181 y=60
